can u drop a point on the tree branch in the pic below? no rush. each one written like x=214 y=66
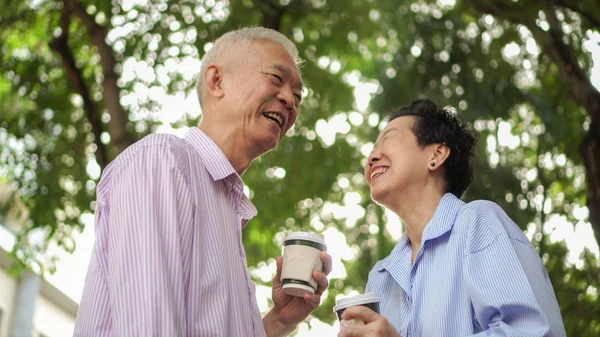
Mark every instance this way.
x=17 y=15
x=117 y=126
x=499 y=10
x=562 y=53
x=272 y=14
x=571 y=5
x=61 y=46
x=6 y=22
x=546 y=184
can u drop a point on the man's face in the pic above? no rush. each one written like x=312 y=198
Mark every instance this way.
x=262 y=94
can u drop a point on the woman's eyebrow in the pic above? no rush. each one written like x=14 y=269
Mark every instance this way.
x=388 y=131
x=382 y=135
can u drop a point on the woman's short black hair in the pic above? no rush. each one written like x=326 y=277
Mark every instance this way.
x=435 y=125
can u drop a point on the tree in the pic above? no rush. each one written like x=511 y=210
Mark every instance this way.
x=82 y=80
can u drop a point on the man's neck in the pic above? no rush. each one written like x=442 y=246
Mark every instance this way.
x=227 y=139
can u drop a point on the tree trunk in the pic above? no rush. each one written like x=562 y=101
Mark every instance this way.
x=75 y=75
x=586 y=95
x=590 y=151
x=117 y=126
x=577 y=80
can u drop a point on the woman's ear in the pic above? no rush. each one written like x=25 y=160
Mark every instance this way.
x=213 y=81
x=439 y=154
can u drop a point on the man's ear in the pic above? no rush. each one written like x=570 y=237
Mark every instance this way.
x=440 y=152
x=213 y=81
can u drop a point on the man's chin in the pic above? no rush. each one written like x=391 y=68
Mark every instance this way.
x=267 y=144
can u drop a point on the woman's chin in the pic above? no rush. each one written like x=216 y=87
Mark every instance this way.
x=379 y=196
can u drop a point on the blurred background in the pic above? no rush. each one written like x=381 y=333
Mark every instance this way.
x=80 y=80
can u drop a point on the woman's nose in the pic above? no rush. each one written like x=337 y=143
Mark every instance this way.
x=373 y=157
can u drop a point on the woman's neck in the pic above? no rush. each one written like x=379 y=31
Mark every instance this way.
x=416 y=212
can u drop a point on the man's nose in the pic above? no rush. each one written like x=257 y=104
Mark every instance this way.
x=286 y=97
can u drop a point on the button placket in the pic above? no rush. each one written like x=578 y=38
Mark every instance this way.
x=236 y=195
x=251 y=290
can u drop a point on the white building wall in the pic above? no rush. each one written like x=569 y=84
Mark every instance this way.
x=51 y=312
x=51 y=321
x=8 y=287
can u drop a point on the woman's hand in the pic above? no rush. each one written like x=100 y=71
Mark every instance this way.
x=375 y=324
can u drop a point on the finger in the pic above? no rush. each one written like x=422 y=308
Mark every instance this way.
x=344 y=323
x=354 y=330
x=279 y=263
x=361 y=312
x=312 y=300
x=322 y=281
x=327 y=263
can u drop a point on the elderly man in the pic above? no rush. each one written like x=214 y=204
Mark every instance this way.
x=168 y=258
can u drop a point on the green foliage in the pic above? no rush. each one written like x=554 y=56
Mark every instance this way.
x=487 y=67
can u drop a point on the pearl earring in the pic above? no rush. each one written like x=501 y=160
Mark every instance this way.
x=432 y=164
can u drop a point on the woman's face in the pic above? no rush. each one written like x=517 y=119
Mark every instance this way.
x=397 y=166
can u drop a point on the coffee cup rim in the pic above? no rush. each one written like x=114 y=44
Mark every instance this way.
x=306 y=236
x=360 y=299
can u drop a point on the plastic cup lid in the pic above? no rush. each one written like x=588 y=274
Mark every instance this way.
x=356 y=300
x=306 y=236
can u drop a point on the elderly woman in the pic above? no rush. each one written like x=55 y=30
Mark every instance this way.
x=461 y=269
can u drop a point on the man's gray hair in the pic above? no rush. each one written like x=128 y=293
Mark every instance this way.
x=243 y=37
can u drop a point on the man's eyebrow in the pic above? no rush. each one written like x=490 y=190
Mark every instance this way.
x=284 y=69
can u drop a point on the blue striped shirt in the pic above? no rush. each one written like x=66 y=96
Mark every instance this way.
x=476 y=274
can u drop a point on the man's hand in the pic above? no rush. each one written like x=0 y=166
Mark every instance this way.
x=290 y=310
x=375 y=324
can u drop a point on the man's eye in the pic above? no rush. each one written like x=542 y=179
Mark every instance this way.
x=277 y=77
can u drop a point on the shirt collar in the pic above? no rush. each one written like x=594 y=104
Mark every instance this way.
x=211 y=154
x=440 y=224
x=220 y=168
x=395 y=257
x=443 y=218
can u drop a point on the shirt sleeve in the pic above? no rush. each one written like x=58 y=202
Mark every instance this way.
x=508 y=287
x=150 y=230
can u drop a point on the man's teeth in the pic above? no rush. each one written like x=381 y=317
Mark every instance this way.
x=378 y=171
x=275 y=117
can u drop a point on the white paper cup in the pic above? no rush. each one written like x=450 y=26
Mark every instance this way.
x=301 y=256
x=369 y=300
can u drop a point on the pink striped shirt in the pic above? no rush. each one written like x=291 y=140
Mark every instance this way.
x=168 y=258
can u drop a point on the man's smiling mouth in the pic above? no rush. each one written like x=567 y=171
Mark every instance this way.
x=275 y=117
